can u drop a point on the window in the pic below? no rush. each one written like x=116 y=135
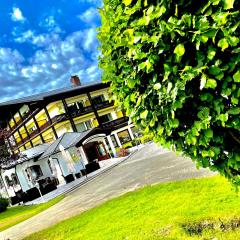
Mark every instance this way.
x=136 y=132
x=88 y=124
x=24 y=110
x=106 y=118
x=80 y=104
x=101 y=150
x=72 y=107
x=36 y=171
x=98 y=99
x=81 y=127
x=115 y=144
x=8 y=181
x=14 y=179
x=124 y=136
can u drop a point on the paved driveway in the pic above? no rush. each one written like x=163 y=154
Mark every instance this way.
x=150 y=165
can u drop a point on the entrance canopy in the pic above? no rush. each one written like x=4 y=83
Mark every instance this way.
x=74 y=139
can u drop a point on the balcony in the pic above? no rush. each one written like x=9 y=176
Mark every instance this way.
x=120 y=122
x=104 y=104
x=78 y=112
x=74 y=112
x=21 y=120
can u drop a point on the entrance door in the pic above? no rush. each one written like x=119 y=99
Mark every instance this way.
x=101 y=151
x=96 y=150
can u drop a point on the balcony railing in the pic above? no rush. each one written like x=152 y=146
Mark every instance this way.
x=78 y=112
x=104 y=104
x=116 y=123
x=21 y=120
x=74 y=113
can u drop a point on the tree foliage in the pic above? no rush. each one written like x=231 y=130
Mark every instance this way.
x=175 y=68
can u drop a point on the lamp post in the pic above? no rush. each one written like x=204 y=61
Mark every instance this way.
x=36 y=184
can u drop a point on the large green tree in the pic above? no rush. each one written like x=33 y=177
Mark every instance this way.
x=175 y=68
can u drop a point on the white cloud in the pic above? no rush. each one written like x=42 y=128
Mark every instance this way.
x=51 y=66
x=17 y=15
x=90 y=16
x=50 y=24
x=90 y=39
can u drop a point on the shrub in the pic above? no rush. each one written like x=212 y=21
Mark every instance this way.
x=123 y=152
x=127 y=145
x=175 y=68
x=3 y=204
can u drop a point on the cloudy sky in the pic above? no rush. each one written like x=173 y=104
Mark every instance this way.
x=43 y=43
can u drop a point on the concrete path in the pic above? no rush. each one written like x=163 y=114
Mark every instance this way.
x=150 y=165
x=66 y=188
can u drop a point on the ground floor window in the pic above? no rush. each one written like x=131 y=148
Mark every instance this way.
x=101 y=150
x=8 y=181
x=14 y=179
x=113 y=138
x=124 y=136
x=136 y=132
x=36 y=171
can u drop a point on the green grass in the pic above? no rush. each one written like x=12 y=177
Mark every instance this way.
x=15 y=215
x=154 y=212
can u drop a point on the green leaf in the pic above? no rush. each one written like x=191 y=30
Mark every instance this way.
x=179 y=50
x=211 y=83
x=214 y=70
x=157 y=86
x=236 y=76
x=211 y=53
x=127 y=2
x=233 y=41
x=143 y=115
x=223 y=44
x=234 y=111
x=131 y=82
x=203 y=81
x=208 y=133
x=228 y=4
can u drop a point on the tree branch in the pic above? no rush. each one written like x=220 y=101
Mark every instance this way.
x=234 y=137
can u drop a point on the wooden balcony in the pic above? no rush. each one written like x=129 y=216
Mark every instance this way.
x=114 y=124
x=21 y=120
x=73 y=113
x=104 y=104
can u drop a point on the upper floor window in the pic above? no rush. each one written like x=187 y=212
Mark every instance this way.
x=106 y=118
x=98 y=99
x=24 y=110
x=81 y=127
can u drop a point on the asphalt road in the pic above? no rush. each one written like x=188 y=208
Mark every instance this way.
x=150 y=165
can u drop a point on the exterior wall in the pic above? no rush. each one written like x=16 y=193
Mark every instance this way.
x=70 y=162
x=25 y=183
x=55 y=109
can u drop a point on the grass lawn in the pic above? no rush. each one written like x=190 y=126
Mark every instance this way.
x=156 y=212
x=15 y=215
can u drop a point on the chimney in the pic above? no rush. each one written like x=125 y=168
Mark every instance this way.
x=75 y=81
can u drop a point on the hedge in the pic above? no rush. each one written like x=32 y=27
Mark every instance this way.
x=3 y=204
x=175 y=67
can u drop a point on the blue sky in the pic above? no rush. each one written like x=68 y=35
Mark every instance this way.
x=43 y=43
